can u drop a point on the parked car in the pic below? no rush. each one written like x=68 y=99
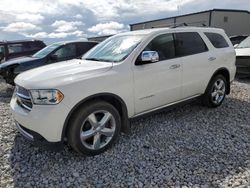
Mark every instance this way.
x=53 y=53
x=86 y=103
x=14 y=49
x=237 y=39
x=243 y=58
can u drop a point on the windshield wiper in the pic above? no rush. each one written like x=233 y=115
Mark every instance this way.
x=93 y=59
x=96 y=59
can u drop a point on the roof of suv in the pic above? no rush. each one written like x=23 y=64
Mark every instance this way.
x=159 y=30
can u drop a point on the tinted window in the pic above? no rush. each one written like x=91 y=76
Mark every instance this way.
x=164 y=45
x=15 y=48
x=36 y=45
x=189 y=43
x=82 y=48
x=217 y=40
x=66 y=51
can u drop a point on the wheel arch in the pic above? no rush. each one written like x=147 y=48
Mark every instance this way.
x=113 y=99
x=225 y=72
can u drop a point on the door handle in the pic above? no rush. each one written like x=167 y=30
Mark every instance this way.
x=175 y=66
x=212 y=58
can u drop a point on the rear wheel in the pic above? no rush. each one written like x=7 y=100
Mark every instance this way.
x=215 y=92
x=94 y=128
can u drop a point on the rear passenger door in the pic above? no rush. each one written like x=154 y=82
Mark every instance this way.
x=194 y=53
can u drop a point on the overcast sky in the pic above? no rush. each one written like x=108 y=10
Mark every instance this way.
x=57 y=20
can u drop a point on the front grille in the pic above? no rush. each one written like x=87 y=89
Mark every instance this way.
x=23 y=98
x=243 y=65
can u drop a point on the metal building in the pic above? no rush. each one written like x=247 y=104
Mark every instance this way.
x=234 y=22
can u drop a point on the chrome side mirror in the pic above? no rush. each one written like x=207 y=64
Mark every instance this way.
x=149 y=56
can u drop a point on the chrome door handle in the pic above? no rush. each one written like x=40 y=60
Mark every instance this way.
x=212 y=58
x=175 y=66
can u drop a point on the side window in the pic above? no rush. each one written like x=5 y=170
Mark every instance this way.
x=217 y=40
x=15 y=48
x=189 y=43
x=82 y=48
x=67 y=51
x=2 y=53
x=35 y=45
x=164 y=45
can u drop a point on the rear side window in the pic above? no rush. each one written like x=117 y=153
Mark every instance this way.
x=217 y=40
x=189 y=43
x=164 y=45
x=15 y=48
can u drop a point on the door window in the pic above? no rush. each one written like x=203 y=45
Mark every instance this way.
x=164 y=45
x=15 y=48
x=66 y=52
x=189 y=43
x=2 y=53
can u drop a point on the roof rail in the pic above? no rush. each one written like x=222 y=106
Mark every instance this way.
x=184 y=24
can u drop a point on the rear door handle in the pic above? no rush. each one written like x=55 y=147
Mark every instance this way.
x=175 y=66
x=212 y=58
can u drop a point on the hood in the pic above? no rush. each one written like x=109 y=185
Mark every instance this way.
x=62 y=73
x=242 y=51
x=18 y=61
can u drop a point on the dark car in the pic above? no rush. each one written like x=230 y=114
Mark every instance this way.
x=53 y=53
x=14 y=49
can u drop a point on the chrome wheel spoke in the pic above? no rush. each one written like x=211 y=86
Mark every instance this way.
x=214 y=94
x=107 y=132
x=87 y=134
x=105 y=119
x=92 y=120
x=97 y=141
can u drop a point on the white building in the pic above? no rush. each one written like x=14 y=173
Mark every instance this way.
x=234 y=22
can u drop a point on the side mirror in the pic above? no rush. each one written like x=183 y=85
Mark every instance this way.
x=235 y=46
x=54 y=57
x=148 y=57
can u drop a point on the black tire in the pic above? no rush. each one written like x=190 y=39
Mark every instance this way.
x=208 y=99
x=77 y=125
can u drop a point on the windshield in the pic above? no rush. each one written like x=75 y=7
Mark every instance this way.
x=245 y=43
x=114 y=49
x=45 y=51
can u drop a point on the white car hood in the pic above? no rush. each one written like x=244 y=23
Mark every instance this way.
x=242 y=51
x=54 y=75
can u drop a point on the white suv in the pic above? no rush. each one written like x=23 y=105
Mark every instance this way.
x=86 y=103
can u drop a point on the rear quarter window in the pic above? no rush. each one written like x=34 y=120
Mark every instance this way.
x=217 y=40
x=189 y=43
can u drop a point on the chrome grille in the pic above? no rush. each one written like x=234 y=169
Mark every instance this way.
x=23 y=98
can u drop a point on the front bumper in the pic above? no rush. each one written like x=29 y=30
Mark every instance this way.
x=44 y=120
x=38 y=140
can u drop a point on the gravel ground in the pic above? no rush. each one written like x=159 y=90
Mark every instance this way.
x=189 y=146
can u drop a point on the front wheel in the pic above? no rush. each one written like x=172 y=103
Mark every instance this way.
x=215 y=92
x=94 y=128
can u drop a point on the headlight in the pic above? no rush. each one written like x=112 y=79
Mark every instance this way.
x=46 y=96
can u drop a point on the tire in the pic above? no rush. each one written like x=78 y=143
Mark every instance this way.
x=94 y=128
x=215 y=93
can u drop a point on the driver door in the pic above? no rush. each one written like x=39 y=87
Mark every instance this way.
x=157 y=84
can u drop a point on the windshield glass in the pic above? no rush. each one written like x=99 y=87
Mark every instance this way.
x=245 y=43
x=114 y=49
x=45 y=51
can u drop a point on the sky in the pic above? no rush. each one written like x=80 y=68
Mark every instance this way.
x=61 y=20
